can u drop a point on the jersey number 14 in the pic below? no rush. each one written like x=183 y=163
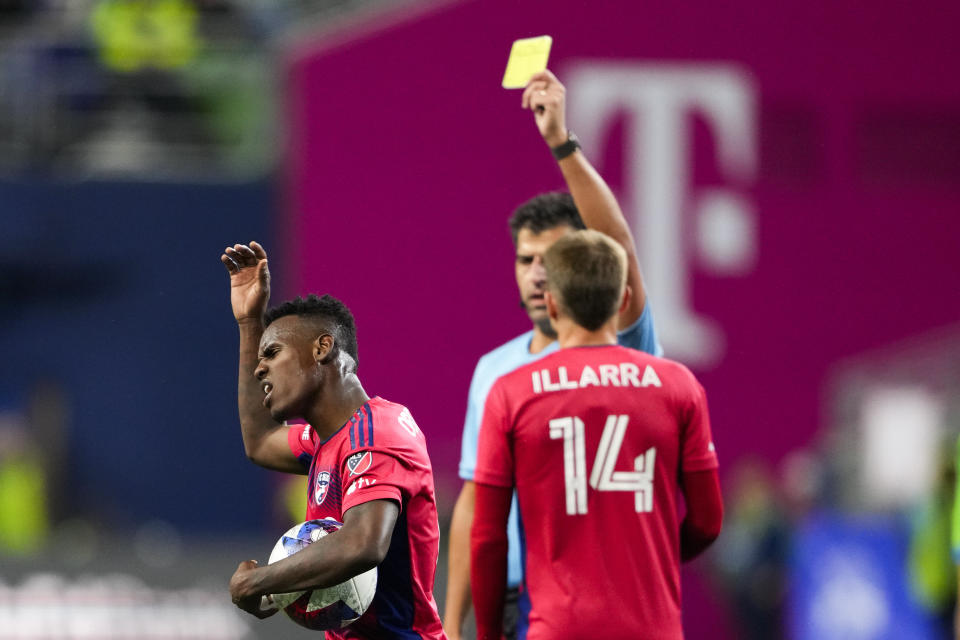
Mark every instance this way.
x=603 y=477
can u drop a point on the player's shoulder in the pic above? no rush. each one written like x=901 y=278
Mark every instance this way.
x=645 y=356
x=390 y=420
x=671 y=368
x=674 y=378
x=381 y=407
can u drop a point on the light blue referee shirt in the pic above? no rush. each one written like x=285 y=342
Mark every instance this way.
x=641 y=335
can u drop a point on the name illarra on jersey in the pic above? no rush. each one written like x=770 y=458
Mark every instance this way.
x=624 y=374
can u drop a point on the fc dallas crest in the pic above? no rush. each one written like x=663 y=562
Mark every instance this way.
x=359 y=462
x=322 y=488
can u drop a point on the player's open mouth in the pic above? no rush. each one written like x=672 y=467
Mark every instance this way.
x=267 y=389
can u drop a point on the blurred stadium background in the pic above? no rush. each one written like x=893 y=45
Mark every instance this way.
x=791 y=172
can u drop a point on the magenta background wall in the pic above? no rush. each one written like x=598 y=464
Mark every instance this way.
x=407 y=157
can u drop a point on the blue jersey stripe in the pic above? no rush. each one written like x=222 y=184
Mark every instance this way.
x=361 y=437
x=366 y=410
x=393 y=602
x=353 y=438
x=305 y=459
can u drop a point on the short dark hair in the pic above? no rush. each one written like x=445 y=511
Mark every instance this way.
x=545 y=211
x=587 y=273
x=326 y=307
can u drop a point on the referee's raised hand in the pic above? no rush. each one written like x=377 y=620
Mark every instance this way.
x=249 y=280
x=545 y=96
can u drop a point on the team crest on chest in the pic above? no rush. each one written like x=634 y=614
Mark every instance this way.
x=359 y=462
x=322 y=487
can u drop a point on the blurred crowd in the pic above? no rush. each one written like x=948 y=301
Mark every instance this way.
x=819 y=546
x=164 y=89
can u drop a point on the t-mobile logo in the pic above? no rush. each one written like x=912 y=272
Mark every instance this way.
x=658 y=199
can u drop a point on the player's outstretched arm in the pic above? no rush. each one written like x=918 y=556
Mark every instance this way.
x=701 y=526
x=360 y=544
x=488 y=558
x=264 y=439
x=598 y=207
x=458 y=566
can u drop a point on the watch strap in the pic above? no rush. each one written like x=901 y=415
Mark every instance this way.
x=561 y=151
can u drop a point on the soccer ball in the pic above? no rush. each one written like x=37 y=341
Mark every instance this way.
x=321 y=609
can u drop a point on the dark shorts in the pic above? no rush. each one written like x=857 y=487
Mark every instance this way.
x=511 y=614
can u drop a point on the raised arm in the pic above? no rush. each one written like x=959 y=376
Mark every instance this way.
x=457 y=604
x=598 y=207
x=264 y=439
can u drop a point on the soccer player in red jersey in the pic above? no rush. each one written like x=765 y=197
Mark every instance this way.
x=366 y=458
x=534 y=226
x=599 y=440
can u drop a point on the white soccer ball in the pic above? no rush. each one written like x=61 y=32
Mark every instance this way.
x=321 y=609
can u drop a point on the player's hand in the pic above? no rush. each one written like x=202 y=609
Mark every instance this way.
x=546 y=97
x=249 y=280
x=241 y=592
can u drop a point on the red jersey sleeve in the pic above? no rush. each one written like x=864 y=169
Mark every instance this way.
x=488 y=558
x=701 y=526
x=495 y=450
x=698 y=453
x=300 y=439
x=372 y=475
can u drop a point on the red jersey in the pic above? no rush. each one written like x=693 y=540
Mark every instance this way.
x=595 y=440
x=380 y=453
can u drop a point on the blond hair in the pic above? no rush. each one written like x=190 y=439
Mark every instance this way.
x=587 y=274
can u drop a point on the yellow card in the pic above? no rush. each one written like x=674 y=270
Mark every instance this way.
x=527 y=57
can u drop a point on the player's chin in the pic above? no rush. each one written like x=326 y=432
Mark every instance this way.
x=278 y=413
x=537 y=311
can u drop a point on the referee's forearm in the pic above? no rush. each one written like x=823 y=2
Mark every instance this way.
x=600 y=211
x=458 y=566
x=595 y=200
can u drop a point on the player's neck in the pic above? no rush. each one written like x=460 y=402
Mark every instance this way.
x=570 y=334
x=338 y=401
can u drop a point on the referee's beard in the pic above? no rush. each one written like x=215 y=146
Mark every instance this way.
x=542 y=323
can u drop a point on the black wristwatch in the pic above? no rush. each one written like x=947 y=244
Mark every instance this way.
x=561 y=151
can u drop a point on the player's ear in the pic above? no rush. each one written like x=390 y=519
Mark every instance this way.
x=627 y=296
x=324 y=348
x=552 y=307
